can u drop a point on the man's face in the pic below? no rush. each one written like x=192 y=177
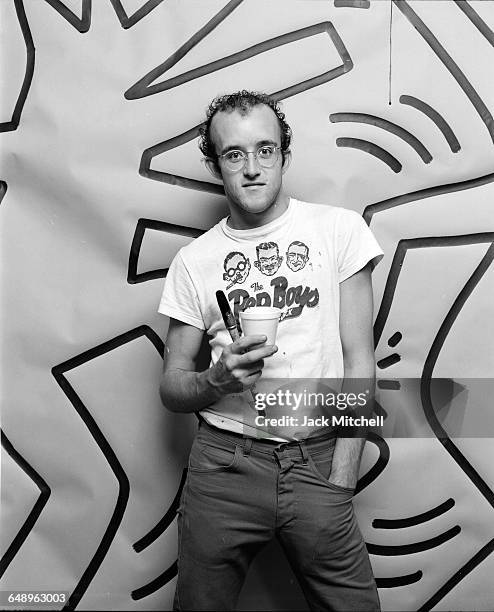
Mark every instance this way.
x=268 y=261
x=252 y=189
x=237 y=269
x=296 y=257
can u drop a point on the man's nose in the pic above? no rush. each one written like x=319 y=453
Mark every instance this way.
x=251 y=167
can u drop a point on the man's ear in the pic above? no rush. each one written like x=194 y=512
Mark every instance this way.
x=212 y=166
x=287 y=158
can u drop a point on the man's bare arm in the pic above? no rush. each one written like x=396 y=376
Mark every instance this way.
x=182 y=389
x=356 y=309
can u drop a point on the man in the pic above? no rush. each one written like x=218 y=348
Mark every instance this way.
x=297 y=255
x=237 y=268
x=248 y=482
x=268 y=258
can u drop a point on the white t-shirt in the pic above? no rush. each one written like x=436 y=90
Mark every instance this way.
x=294 y=263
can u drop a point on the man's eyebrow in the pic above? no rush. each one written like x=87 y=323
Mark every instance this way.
x=230 y=148
x=235 y=147
x=267 y=142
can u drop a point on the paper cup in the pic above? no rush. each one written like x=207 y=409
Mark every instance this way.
x=261 y=320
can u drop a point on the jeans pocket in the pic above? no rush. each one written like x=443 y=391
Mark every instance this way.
x=347 y=490
x=321 y=464
x=210 y=457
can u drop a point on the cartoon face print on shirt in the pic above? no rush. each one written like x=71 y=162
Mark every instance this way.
x=297 y=255
x=237 y=268
x=268 y=258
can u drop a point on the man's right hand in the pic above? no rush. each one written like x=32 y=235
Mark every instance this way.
x=240 y=365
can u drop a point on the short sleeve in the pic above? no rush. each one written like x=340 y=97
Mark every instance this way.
x=180 y=299
x=356 y=245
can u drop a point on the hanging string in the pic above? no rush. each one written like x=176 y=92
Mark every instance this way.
x=390 y=47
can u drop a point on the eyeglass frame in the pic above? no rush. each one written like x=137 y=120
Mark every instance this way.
x=240 y=267
x=246 y=154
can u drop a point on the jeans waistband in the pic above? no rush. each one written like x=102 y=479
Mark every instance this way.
x=264 y=445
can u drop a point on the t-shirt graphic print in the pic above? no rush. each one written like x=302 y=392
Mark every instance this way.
x=294 y=263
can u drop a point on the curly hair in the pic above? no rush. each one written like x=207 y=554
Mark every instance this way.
x=243 y=101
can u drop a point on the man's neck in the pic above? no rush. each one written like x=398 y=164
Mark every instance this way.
x=240 y=219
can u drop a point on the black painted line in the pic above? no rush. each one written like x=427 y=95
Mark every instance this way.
x=389 y=385
x=396 y=266
x=9 y=126
x=164 y=522
x=143 y=86
x=325 y=77
x=422 y=194
x=81 y=24
x=3 y=190
x=175 y=179
x=430 y=362
x=379 y=466
x=449 y=63
x=418 y=519
x=142 y=225
x=239 y=56
x=111 y=345
x=156 y=584
x=456 y=454
x=389 y=126
x=415 y=547
x=398 y=581
x=181 y=139
x=437 y=118
x=379 y=410
x=449 y=446
x=361 y=4
x=457 y=577
x=103 y=444
x=310 y=83
x=459 y=303
x=373 y=149
x=126 y=21
x=388 y=361
x=477 y=20
x=395 y=339
x=389 y=290
x=36 y=510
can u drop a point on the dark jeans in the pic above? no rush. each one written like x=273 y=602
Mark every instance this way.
x=239 y=494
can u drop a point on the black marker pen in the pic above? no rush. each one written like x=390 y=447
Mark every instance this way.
x=231 y=326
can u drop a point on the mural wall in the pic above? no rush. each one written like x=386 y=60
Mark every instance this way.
x=390 y=104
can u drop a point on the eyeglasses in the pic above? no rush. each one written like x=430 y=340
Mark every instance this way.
x=240 y=268
x=235 y=160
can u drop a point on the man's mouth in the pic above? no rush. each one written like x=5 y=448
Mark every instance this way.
x=249 y=185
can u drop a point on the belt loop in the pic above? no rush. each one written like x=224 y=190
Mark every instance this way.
x=247 y=446
x=303 y=450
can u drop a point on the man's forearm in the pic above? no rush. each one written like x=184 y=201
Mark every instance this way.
x=348 y=450
x=185 y=391
x=238 y=368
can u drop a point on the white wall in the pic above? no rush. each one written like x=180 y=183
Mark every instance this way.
x=91 y=462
